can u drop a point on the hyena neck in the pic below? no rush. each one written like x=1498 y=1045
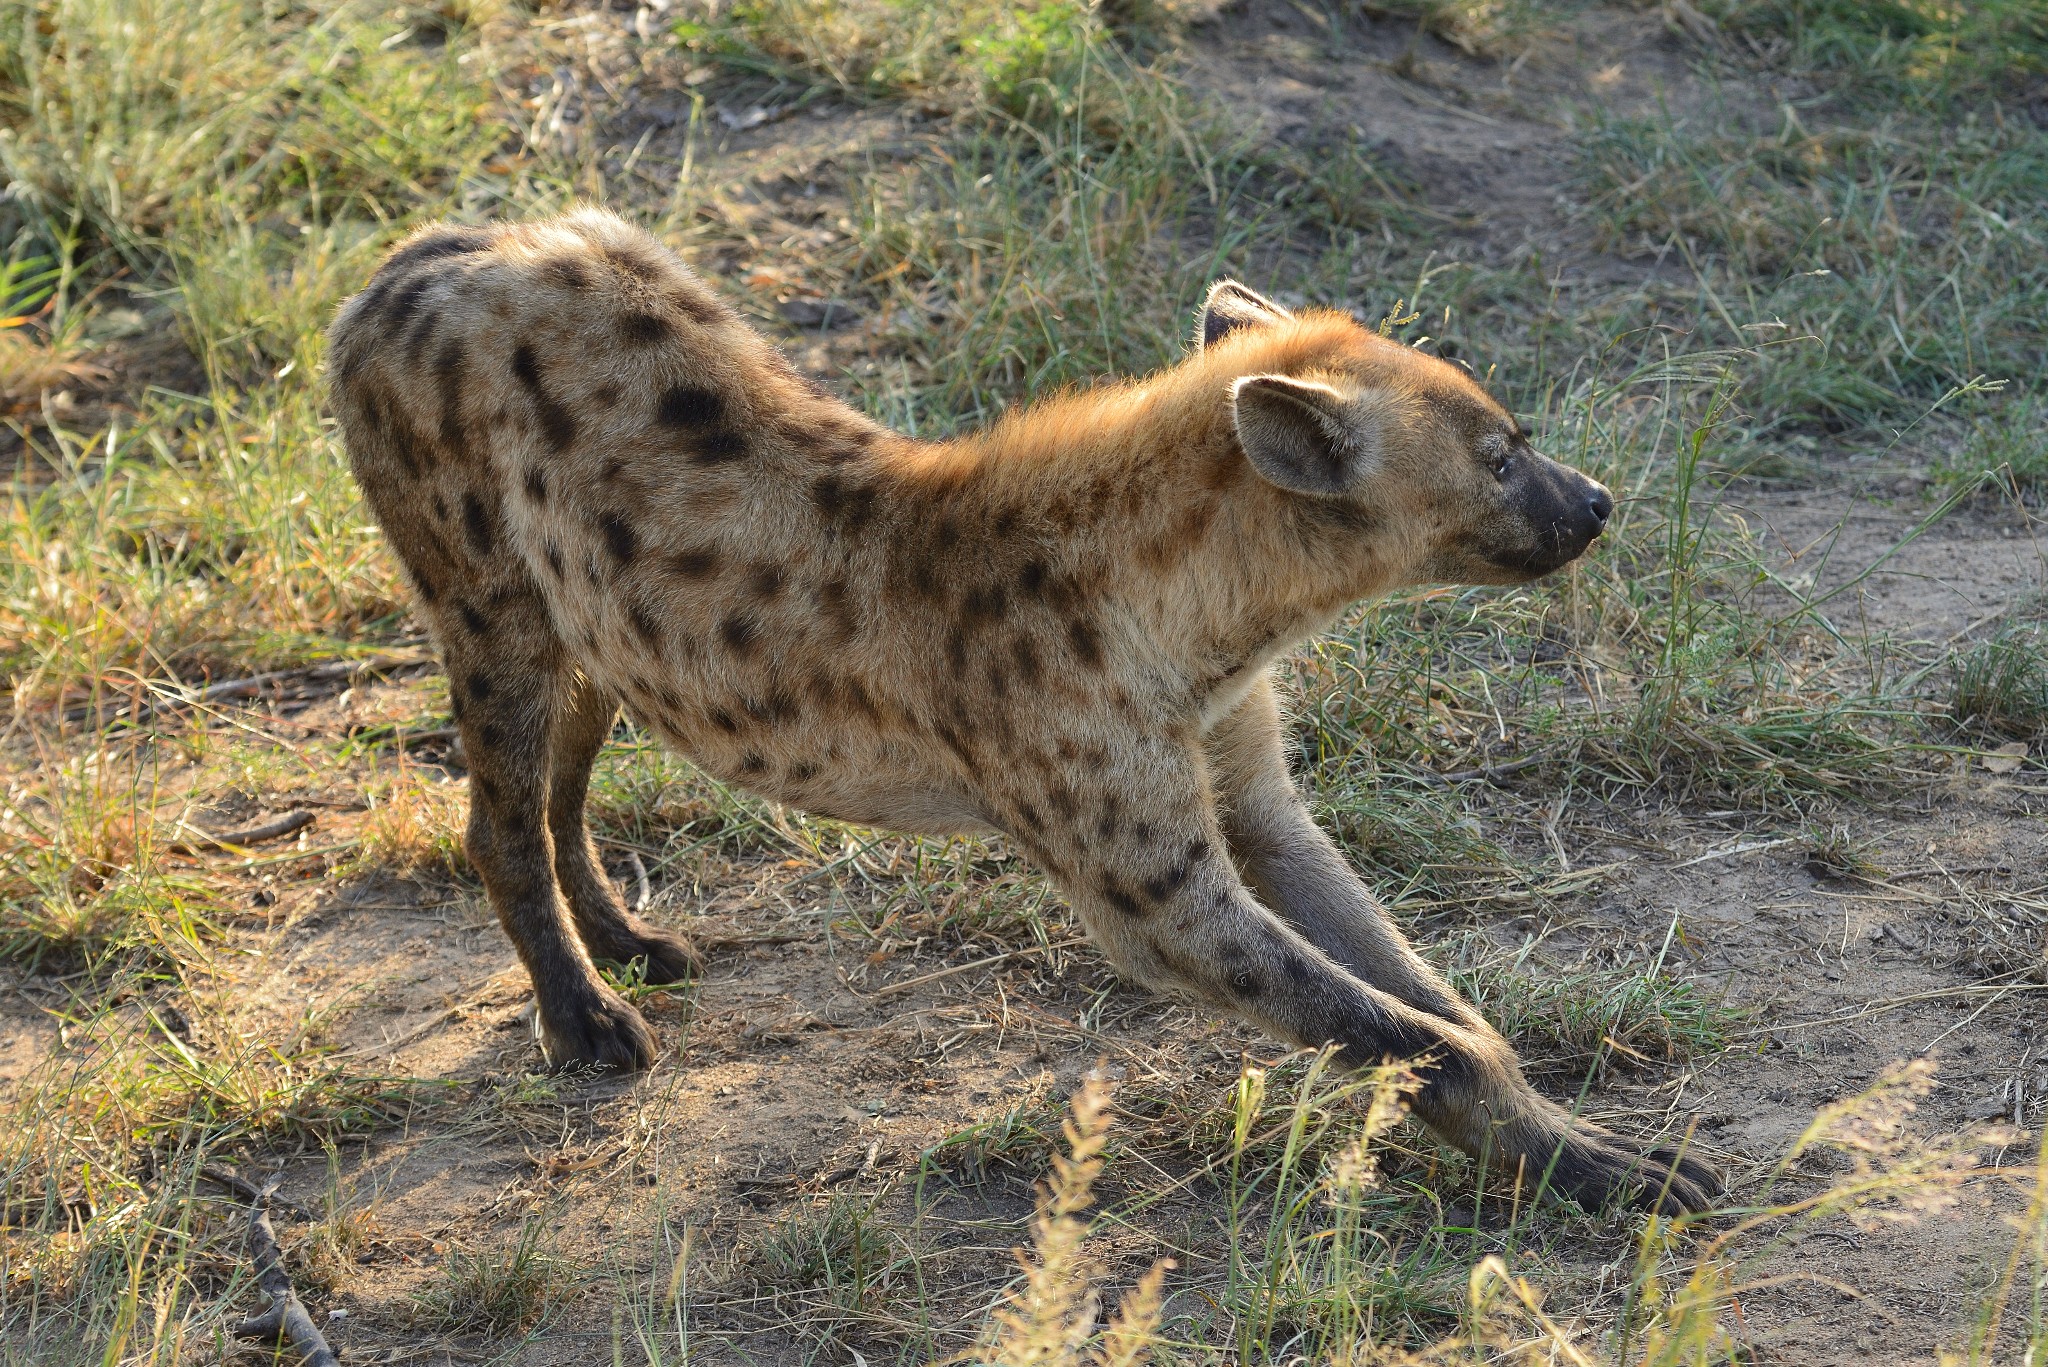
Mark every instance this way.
x=1150 y=495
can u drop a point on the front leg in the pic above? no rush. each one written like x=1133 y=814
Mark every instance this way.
x=1152 y=882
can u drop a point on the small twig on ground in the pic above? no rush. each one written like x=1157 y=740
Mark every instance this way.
x=891 y=989
x=286 y=1319
x=641 y=895
x=247 y=1190
x=1491 y=773
x=232 y=690
x=232 y=841
x=1732 y=851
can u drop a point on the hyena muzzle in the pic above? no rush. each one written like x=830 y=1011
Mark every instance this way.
x=607 y=489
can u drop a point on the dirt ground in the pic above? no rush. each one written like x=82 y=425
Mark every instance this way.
x=813 y=1058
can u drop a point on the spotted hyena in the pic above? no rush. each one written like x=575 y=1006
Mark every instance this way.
x=607 y=488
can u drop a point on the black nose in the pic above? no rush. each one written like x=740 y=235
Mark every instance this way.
x=1601 y=506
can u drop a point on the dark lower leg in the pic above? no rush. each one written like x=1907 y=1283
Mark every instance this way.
x=506 y=698
x=608 y=930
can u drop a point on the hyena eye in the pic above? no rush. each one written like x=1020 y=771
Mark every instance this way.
x=1502 y=461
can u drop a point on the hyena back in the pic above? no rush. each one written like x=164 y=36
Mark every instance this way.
x=607 y=488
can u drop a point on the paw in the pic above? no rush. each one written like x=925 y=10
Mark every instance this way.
x=1597 y=1169
x=670 y=958
x=596 y=1029
x=667 y=957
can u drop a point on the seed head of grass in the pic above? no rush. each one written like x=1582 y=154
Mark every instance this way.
x=1049 y=1320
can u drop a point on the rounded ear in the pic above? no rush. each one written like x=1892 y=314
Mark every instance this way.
x=1301 y=435
x=1231 y=306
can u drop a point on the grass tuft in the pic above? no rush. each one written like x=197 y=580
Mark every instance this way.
x=499 y=1292
x=1999 y=687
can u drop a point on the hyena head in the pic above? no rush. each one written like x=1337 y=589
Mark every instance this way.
x=1410 y=441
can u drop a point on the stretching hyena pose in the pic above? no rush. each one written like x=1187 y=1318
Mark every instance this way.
x=607 y=488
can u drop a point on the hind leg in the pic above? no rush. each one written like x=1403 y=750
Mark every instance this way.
x=607 y=929
x=508 y=678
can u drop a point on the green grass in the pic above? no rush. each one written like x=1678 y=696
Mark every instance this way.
x=502 y=1291
x=2000 y=686
x=2005 y=454
x=1930 y=52
x=1579 y=1019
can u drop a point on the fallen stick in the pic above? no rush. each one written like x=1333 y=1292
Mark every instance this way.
x=232 y=841
x=231 y=690
x=286 y=1319
x=247 y=1190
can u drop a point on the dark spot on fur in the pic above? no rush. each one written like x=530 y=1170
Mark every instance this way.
x=619 y=538
x=847 y=505
x=643 y=329
x=694 y=305
x=863 y=702
x=1317 y=519
x=398 y=308
x=1175 y=878
x=440 y=507
x=837 y=605
x=738 y=632
x=569 y=273
x=476 y=523
x=1026 y=655
x=766 y=581
x=480 y=686
x=751 y=763
x=685 y=406
x=643 y=622
x=725 y=721
x=490 y=735
x=433 y=246
x=956 y=650
x=605 y=395
x=719 y=446
x=1119 y=898
x=419 y=334
x=695 y=564
x=633 y=263
x=1030 y=817
x=1031 y=579
x=448 y=368
x=556 y=422
x=803 y=772
x=1087 y=645
x=536 y=485
x=985 y=605
x=779 y=706
x=554 y=554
